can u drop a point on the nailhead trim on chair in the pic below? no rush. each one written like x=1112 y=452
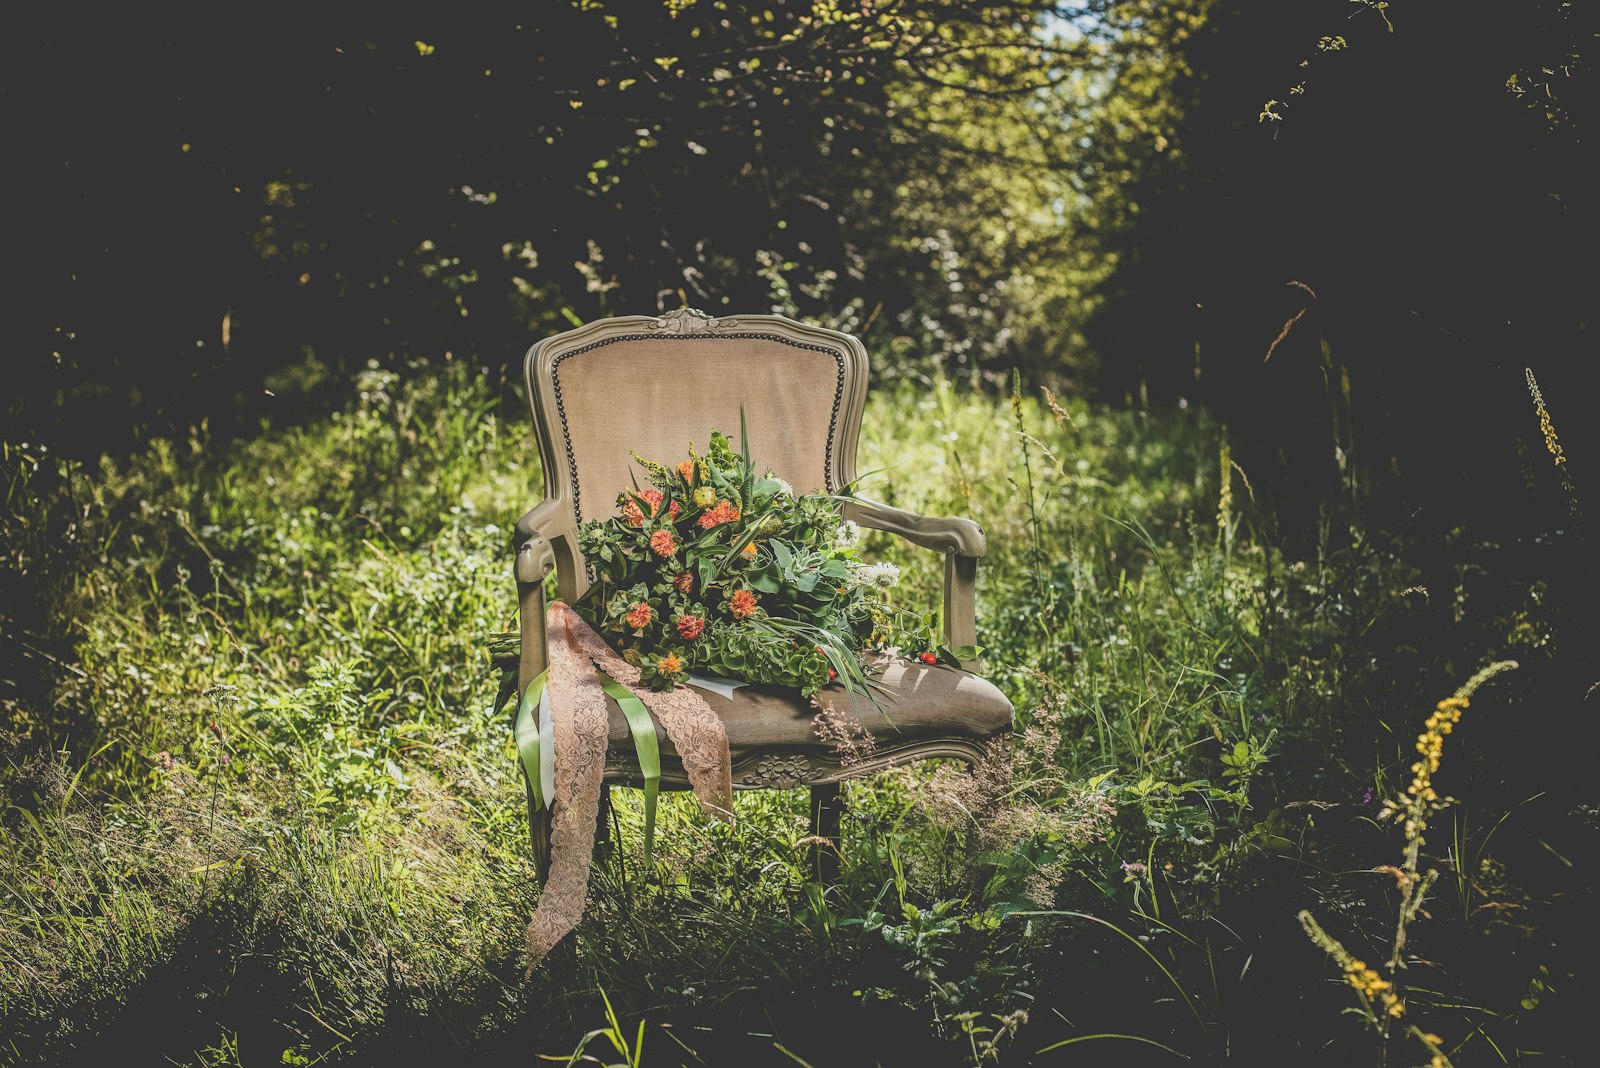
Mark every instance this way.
x=561 y=410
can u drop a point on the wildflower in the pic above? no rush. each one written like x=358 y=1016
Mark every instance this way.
x=849 y=535
x=705 y=497
x=1225 y=500
x=1133 y=869
x=673 y=510
x=742 y=604
x=883 y=576
x=631 y=513
x=686 y=469
x=639 y=615
x=843 y=733
x=1374 y=987
x=749 y=550
x=721 y=512
x=662 y=543
x=690 y=627
x=928 y=658
x=653 y=498
x=669 y=664
x=784 y=488
x=1430 y=744
x=1551 y=442
x=164 y=759
x=684 y=582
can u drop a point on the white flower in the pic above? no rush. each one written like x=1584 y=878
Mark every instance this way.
x=849 y=535
x=784 y=488
x=883 y=576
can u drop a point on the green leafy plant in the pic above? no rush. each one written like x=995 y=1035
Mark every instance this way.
x=717 y=569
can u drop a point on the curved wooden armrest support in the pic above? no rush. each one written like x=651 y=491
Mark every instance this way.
x=960 y=540
x=535 y=539
x=962 y=537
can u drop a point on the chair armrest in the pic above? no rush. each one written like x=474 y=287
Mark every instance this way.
x=961 y=537
x=534 y=542
x=533 y=538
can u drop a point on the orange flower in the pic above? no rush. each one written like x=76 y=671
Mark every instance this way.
x=662 y=543
x=684 y=583
x=639 y=615
x=686 y=469
x=691 y=627
x=669 y=664
x=721 y=512
x=631 y=513
x=742 y=604
x=653 y=498
x=750 y=550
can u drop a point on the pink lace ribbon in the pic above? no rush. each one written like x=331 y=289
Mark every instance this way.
x=581 y=725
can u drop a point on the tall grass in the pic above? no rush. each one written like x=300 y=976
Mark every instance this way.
x=255 y=766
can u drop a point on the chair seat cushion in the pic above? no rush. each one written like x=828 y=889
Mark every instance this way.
x=914 y=702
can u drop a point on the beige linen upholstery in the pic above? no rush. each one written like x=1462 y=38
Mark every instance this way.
x=652 y=396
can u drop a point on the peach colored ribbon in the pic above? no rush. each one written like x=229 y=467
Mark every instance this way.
x=581 y=725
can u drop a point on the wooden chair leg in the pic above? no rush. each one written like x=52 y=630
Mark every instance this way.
x=826 y=806
x=602 y=828
x=539 y=828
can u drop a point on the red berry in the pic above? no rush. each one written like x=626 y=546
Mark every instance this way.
x=928 y=658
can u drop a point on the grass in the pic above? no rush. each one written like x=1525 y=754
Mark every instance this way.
x=258 y=808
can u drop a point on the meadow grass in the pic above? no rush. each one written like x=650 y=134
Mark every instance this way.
x=257 y=796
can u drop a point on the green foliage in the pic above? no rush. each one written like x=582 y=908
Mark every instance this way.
x=723 y=570
x=287 y=790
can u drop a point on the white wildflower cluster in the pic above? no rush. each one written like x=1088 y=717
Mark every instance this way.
x=848 y=536
x=879 y=576
x=783 y=484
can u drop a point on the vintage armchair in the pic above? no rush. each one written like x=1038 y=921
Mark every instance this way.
x=652 y=385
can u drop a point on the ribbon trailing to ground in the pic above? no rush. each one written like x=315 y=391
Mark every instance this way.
x=572 y=702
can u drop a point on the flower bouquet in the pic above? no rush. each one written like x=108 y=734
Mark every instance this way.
x=714 y=569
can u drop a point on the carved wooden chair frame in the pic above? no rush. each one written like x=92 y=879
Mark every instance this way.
x=546 y=539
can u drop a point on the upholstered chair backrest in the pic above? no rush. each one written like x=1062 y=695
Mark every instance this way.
x=653 y=385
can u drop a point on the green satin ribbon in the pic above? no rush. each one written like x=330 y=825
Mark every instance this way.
x=525 y=730
x=645 y=746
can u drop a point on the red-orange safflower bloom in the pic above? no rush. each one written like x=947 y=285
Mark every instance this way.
x=639 y=615
x=653 y=498
x=662 y=543
x=691 y=627
x=631 y=513
x=669 y=664
x=684 y=582
x=750 y=550
x=742 y=604
x=721 y=512
x=686 y=469
x=673 y=510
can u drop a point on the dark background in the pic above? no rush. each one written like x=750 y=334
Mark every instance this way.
x=334 y=196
